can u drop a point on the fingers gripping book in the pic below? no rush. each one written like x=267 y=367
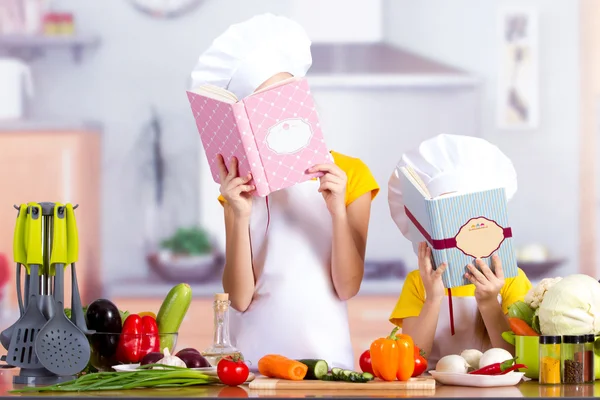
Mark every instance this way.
x=274 y=133
x=459 y=227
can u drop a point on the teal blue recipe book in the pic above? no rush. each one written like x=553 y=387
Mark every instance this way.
x=459 y=227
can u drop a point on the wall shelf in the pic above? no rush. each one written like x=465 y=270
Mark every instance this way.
x=31 y=47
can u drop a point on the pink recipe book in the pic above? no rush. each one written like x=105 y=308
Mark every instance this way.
x=274 y=133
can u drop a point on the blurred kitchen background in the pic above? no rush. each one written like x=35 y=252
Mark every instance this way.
x=93 y=111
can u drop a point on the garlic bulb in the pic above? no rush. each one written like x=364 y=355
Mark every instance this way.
x=170 y=360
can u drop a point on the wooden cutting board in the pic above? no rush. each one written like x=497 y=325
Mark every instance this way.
x=281 y=384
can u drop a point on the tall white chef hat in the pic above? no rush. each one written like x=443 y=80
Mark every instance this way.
x=452 y=163
x=249 y=53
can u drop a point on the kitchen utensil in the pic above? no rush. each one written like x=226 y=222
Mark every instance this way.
x=61 y=348
x=20 y=257
x=27 y=341
x=19 y=252
x=21 y=348
x=17 y=86
x=281 y=384
x=46 y=299
x=77 y=316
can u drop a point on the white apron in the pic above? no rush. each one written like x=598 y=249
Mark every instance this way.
x=295 y=311
x=469 y=330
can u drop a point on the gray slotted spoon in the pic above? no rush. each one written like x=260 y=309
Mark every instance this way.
x=61 y=347
x=21 y=351
x=20 y=257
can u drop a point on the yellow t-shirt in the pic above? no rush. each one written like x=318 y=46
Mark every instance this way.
x=360 y=180
x=412 y=297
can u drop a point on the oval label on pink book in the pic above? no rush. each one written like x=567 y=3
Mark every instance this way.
x=289 y=136
x=480 y=237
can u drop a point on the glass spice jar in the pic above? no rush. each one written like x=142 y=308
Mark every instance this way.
x=550 y=360
x=571 y=354
x=589 y=367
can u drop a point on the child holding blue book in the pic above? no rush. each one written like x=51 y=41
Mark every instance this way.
x=447 y=321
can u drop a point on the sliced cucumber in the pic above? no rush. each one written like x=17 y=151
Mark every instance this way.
x=328 y=377
x=367 y=376
x=316 y=368
x=358 y=377
x=337 y=373
x=347 y=375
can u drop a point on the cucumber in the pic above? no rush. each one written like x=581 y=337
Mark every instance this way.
x=347 y=374
x=328 y=377
x=171 y=313
x=337 y=373
x=316 y=368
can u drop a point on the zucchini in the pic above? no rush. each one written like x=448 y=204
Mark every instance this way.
x=316 y=368
x=171 y=313
x=367 y=376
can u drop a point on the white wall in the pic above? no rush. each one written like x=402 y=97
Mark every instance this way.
x=143 y=61
x=463 y=33
x=140 y=62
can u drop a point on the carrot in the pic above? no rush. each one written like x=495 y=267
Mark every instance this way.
x=276 y=366
x=520 y=327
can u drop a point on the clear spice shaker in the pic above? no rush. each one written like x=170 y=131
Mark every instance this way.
x=550 y=360
x=572 y=355
x=589 y=367
x=221 y=346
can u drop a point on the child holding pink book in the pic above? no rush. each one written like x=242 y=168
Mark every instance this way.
x=294 y=258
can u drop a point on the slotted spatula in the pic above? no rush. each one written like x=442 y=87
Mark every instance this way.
x=21 y=350
x=20 y=257
x=61 y=347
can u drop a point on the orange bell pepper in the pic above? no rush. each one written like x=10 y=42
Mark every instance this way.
x=393 y=357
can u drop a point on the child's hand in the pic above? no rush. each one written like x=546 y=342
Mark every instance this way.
x=487 y=283
x=432 y=280
x=333 y=187
x=235 y=189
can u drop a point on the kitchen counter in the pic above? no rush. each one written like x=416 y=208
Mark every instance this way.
x=526 y=389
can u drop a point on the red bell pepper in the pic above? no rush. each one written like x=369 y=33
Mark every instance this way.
x=138 y=338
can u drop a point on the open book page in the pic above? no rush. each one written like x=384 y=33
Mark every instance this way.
x=216 y=93
x=224 y=95
x=280 y=83
x=416 y=181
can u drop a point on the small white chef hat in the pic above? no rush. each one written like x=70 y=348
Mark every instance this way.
x=249 y=53
x=452 y=163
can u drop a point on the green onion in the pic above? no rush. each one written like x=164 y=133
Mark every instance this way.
x=145 y=377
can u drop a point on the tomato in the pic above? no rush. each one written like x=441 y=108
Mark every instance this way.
x=420 y=362
x=365 y=362
x=232 y=371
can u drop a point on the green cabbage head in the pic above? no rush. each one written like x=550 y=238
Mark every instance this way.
x=571 y=307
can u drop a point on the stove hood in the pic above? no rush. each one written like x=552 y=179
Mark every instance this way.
x=379 y=64
x=351 y=49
